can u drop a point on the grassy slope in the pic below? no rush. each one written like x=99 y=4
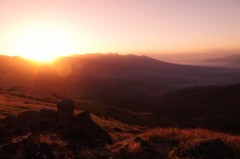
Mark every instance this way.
x=163 y=139
x=10 y=104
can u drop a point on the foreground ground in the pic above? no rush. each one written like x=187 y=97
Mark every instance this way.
x=129 y=141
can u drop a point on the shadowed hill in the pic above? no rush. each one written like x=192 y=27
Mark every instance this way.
x=119 y=80
x=208 y=106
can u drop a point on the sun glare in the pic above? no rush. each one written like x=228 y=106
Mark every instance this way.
x=43 y=45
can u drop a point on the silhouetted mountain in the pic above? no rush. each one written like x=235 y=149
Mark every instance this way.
x=120 y=80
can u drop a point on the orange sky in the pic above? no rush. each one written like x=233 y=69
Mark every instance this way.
x=124 y=26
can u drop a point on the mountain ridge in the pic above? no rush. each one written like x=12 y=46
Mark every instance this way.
x=121 y=80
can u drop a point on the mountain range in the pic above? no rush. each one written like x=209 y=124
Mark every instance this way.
x=121 y=80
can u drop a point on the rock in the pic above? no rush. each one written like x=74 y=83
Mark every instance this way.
x=10 y=121
x=65 y=111
x=48 y=118
x=89 y=130
x=71 y=133
x=78 y=131
x=29 y=120
x=48 y=114
x=204 y=149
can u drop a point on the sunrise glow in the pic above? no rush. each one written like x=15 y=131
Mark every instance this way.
x=45 y=29
x=43 y=45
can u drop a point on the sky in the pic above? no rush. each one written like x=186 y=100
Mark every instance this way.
x=123 y=26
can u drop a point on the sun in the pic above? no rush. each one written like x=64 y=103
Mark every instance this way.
x=43 y=45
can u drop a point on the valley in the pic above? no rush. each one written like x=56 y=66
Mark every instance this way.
x=149 y=108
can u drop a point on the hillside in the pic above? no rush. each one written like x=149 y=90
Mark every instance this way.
x=214 y=107
x=30 y=138
x=119 y=80
x=113 y=86
x=15 y=102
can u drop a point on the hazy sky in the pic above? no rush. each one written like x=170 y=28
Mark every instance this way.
x=125 y=26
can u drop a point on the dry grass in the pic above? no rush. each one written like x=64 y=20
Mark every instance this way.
x=184 y=136
x=124 y=134
x=167 y=139
x=10 y=104
x=119 y=131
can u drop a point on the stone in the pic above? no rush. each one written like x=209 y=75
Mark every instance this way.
x=65 y=111
x=89 y=130
x=48 y=118
x=10 y=121
x=29 y=120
